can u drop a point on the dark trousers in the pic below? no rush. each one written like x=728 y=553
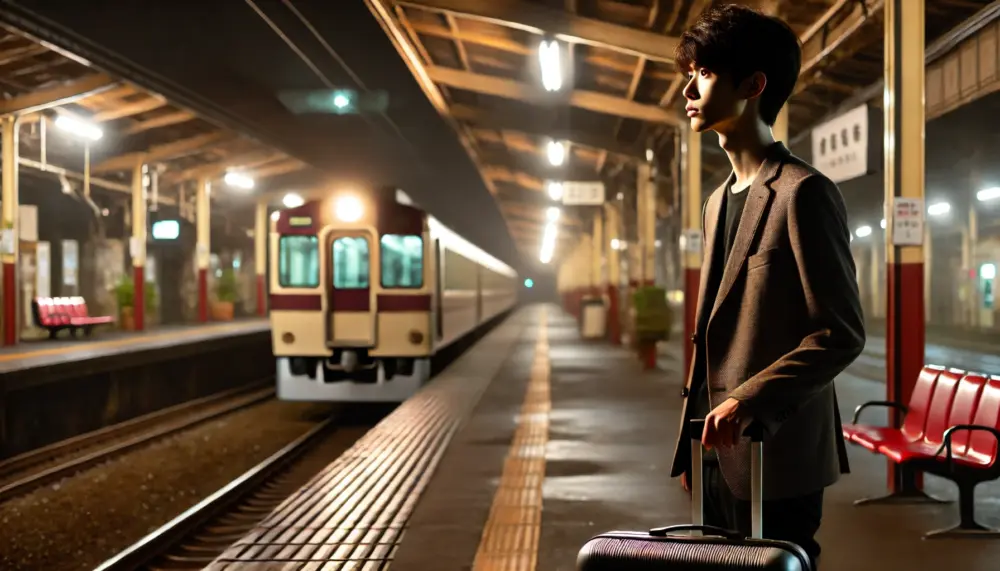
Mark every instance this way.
x=793 y=519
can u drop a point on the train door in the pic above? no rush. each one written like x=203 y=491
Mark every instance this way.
x=351 y=319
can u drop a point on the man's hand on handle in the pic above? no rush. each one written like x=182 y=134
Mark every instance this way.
x=725 y=424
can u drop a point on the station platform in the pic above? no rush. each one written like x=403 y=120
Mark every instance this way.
x=52 y=352
x=569 y=438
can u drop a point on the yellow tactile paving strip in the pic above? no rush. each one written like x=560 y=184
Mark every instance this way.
x=510 y=537
x=89 y=346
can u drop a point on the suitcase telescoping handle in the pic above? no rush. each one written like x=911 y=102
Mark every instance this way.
x=756 y=433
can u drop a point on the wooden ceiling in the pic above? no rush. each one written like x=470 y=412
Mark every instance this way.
x=40 y=83
x=478 y=63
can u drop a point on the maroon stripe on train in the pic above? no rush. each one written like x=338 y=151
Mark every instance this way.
x=301 y=302
x=408 y=302
x=350 y=300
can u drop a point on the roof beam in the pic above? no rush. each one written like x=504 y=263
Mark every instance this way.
x=162 y=152
x=521 y=124
x=157 y=122
x=283 y=167
x=814 y=52
x=58 y=95
x=216 y=169
x=562 y=25
x=589 y=100
x=129 y=109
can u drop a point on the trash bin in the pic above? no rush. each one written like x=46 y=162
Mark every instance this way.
x=593 y=318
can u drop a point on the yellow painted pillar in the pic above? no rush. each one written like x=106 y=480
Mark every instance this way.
x=611 y=245
x=904 y=203
x=203 y=250
x=260 y=255
x=137 y=247
x=780 y=128
x=597 y=255
x=646 y=217
x=691 y=239
x=9 y=238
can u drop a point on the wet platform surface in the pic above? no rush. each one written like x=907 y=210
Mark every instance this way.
x=107 y=343
x=612 y=429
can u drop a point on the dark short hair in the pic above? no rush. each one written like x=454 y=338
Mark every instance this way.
x=740 y=41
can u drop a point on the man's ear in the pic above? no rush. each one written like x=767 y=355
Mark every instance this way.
x=754 y=85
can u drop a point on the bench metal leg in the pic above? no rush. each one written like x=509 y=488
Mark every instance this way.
x=908 y=494
x=967 y=527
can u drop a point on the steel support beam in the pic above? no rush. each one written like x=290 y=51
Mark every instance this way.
x=203 y=250
x=137 y=246
x=58 y=95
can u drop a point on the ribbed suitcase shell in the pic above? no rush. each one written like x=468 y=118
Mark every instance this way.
x=637 y=551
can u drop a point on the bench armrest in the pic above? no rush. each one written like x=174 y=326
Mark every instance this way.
x=946 y=445
x=887 y=403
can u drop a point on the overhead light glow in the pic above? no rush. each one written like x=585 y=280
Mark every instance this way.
x=555 y=190
x=863 y=231
x=340 y=101
x=79 y=127
x=275 y=215
x=292 y=200
x=987 y=271
x=239 y=180
x=649 y=155
x=557 y=153
x=988 y=194
x=615 y=244
x=548 y=57
x=939 y=209
x=548 y=243
x=552 y=214
x=881 y=224
x=349 y=209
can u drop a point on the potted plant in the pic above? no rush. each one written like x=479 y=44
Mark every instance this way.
x=125 y=296
x=653 y=317
x=225 y=296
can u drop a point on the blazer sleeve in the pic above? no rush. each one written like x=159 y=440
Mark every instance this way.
x=820 y=243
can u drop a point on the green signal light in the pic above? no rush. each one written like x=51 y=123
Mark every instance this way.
x=340 y=101
x=528 y=283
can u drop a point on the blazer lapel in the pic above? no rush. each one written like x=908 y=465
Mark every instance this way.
x=712 y=238
x=757 y=201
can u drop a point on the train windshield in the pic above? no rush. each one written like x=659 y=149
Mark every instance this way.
x=298 y=261
x=402 y=261
x=350 y=262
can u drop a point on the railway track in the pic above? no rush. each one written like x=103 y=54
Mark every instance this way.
x=196 y=537
x=26 y=472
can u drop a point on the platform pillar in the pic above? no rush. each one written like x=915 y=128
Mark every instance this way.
x=904 y=182
x=203 y=217
x=137 y=247
x=691 y=239
x=597 y=255
x=260 y=241
x=9 y=238
x=611 y=245
x=646 y=217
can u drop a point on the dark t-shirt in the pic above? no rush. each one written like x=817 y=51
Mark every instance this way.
x=732 y=207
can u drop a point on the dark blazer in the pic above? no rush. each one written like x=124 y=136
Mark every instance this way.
x=785 y=322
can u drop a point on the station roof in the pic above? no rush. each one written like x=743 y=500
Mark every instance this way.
x=478 y=63
x=42 y=83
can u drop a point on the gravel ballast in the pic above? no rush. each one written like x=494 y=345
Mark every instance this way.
x=84 y=519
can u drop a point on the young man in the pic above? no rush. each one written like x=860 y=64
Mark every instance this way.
x=779 y=314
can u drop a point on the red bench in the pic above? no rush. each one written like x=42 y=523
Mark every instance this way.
x=58 y=313
x=951 y=429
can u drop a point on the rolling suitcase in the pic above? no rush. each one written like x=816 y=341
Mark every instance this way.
x=664 y=549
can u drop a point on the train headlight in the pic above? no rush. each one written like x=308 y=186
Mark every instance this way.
x=287 y=338
x=349 y=209
x=416 y=337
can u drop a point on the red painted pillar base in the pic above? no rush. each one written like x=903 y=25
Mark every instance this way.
x=614 y=316
x=904 y=350
x=139 y=300
x=10 y=336
x=692 y=282
x=203 y=295
x=261 y=297
x=647 y=354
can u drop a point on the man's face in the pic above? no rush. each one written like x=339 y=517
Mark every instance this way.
x=713 y=101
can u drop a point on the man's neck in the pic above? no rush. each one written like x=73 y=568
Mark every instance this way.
x=746 y=144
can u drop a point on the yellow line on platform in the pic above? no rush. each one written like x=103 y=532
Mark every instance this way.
x=510 y=537
x=89 y=346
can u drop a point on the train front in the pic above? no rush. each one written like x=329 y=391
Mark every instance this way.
x=350 y=299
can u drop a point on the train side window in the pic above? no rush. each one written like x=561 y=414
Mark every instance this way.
x=402 y=261
x=350 y=263
x=298 y=261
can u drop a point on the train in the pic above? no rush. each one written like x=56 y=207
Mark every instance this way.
x=366 y=288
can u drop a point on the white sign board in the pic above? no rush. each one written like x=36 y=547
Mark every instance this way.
x=583 y=193
x=907 y=221
x=70 y=262
x=691 y=241
x=840 y=146
x=43 y=275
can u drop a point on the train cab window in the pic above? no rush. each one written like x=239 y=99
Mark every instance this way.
x=298 y=261
x=402 y=261
x=350 y=263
